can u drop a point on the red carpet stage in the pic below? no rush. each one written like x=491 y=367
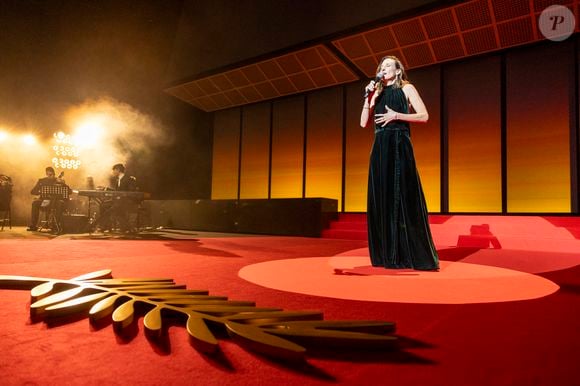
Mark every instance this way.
x=503 y=309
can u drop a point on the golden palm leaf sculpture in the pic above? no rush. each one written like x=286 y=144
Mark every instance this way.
x=268 y=331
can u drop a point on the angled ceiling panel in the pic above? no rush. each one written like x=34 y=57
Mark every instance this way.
x=266 y=90
x=516 y=32
x=473 y=15
x=381 y=39
x=409 y=32
x=458 y=31
x=450 y=33
x=253 y=74
x=480 y=40
x=418 y=55
x=510 y=9
x=449 y=47
x=310 y=59
x=302 y=81
x=440 y=24
x=303 y=70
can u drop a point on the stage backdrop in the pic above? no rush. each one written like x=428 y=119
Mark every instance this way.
x=501 y=138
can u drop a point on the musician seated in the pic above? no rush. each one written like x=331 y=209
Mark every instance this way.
x=5 y=197
x=5 y=192
x=117 y=210
x=58 y=204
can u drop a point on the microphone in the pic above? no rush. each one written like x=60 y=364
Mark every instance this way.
x=377 y=78
x=61 y=175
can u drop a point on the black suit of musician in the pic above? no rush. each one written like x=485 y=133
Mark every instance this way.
x=118 y=209
x=49 y=180
x=123 y=182
x=5 y=192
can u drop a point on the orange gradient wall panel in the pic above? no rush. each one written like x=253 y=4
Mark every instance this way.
x=473 y=96
x=538 y=131
x=287 y=148
x=358 y=147
x=225 y=162
x=426 y=137
x=324 y=144
x=255 y=151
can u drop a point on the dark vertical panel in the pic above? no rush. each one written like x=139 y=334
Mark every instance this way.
x=358 y=146
x=287 y=147
x=226 y=140
x=472 y=90
x=305 y=145
x=538 y=129
x=426 y=137
x=343 y=152
x=503 y=128
x=575 y=130
x=255 y=151
x=324 y=146
x=443 y=147
x=240 y=151
x=271 y=119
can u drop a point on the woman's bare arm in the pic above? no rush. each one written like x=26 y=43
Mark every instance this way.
x=420 y=114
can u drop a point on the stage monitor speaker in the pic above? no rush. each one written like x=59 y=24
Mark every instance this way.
x=215 y=215
x=283 y=216
x=75 y=223
x=174 y=214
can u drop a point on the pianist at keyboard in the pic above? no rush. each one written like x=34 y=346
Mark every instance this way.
x=115 y=212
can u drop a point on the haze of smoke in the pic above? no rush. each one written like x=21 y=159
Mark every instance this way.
x=127 y=133
x=126 y=136
x=24 y=164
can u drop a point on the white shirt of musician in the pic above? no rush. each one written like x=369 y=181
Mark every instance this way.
x=119 y=179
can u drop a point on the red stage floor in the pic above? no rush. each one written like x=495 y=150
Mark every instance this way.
x=503 y=310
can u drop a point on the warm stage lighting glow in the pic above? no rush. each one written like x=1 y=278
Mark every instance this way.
x=103 y=133
x=65 y=146
x=3 y=136
x=29 y=139
x=89 y=132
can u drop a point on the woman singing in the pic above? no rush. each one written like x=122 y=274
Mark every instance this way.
x=398 y=227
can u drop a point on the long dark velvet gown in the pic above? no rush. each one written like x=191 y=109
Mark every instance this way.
x=398 y=227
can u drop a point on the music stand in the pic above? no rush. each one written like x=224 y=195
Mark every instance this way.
x=53 y=197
